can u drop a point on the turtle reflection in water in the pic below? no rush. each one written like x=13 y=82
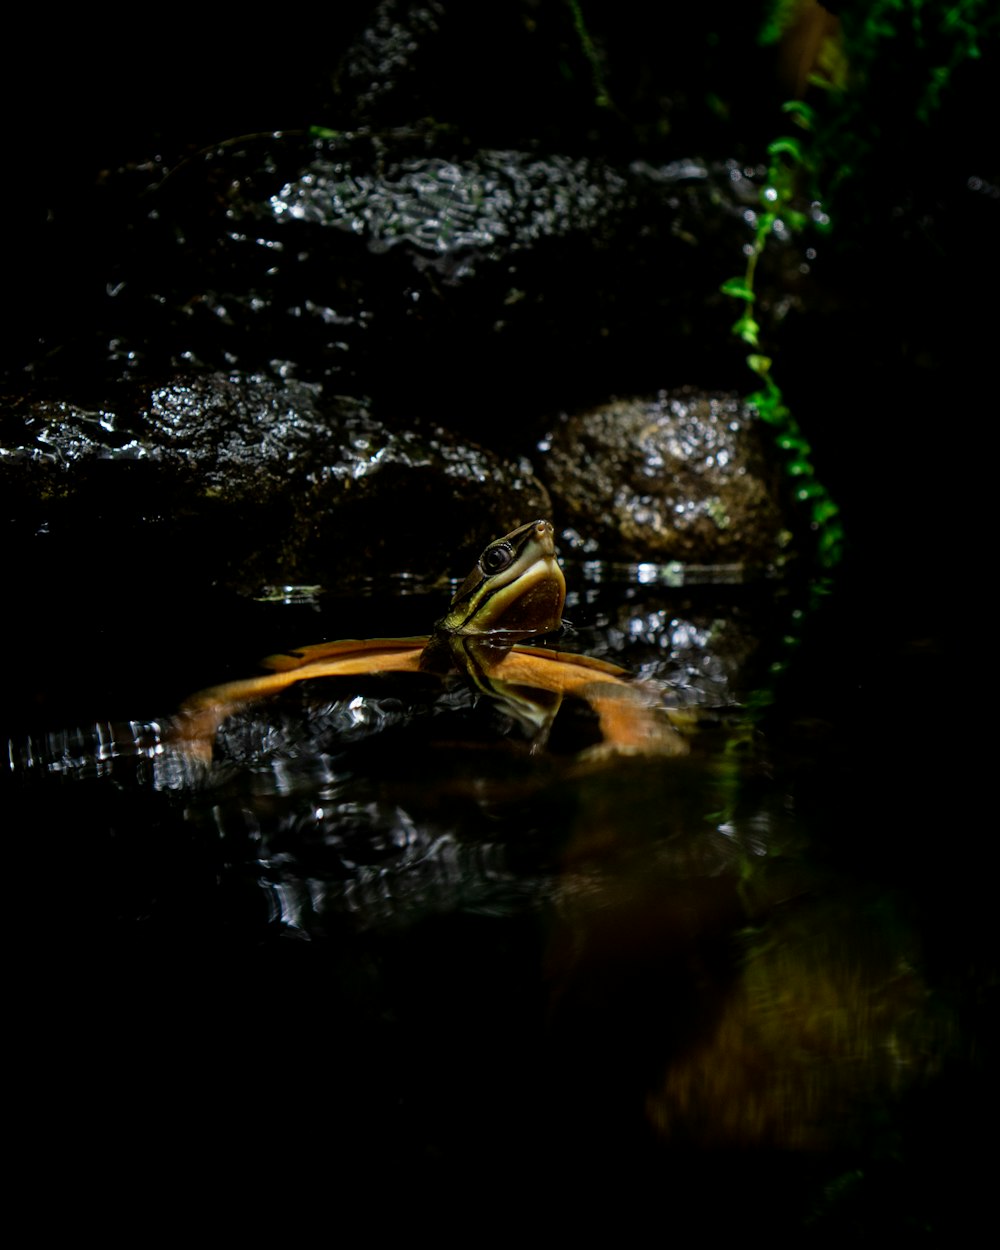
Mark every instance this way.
x=515 y=592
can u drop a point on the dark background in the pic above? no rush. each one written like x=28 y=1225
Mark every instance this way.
x=163 y=1045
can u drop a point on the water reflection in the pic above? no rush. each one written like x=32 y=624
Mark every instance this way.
x=85 y=751
x=825 y=1025
x=773 y=1004
x=656 y=931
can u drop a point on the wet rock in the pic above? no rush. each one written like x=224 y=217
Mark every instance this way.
x=685 y=476
x=277 y=483
x=447 y=213
x=384 y=66
x=475 y=272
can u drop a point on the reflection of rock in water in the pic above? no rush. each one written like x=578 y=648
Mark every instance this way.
x=825 y=1025
x=798 y=1032
x=365 y=810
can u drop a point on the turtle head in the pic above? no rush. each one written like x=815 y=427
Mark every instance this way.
x=516 y=587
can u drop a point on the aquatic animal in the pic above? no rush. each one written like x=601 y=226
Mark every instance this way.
x=516 y=591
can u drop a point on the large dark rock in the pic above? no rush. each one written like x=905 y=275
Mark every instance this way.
x=494 y=282
x=255 y=482
x=683 y=476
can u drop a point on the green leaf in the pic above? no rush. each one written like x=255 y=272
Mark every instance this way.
x=803 y=113
x=795 y=220
x=787 y=145
x=793 y=442
x=738 y=288
x=824 y=510
x=830 y=539
x=761 y=365
x=830 y=535
x=818 y=81
x=747 y=329
x=800 y=468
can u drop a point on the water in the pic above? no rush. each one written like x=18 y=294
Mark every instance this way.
x=374 y=944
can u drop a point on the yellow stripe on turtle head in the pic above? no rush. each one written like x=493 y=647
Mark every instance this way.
x=517 y=586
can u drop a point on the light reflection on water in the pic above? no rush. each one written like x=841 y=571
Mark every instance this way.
x=661 y=923
x=85 y=751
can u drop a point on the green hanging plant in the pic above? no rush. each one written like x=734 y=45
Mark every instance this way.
x=918 y=45
x=602 y=97
x=778 y=211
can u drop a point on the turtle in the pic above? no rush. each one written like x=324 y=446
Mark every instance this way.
x=515 y=593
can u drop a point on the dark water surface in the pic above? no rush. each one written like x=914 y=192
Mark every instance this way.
x=377 y=948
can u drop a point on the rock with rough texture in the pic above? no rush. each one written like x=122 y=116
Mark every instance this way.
x=477 y=273
x=684 y=476
x=276 y=483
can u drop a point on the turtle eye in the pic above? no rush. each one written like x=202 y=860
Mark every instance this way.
x=495 y=559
